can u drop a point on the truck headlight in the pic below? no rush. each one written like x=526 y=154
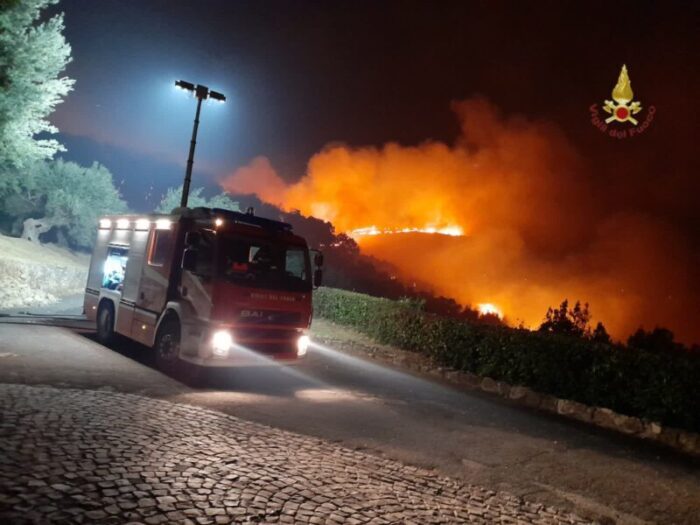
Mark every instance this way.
x=221 y=342
x=303 y=345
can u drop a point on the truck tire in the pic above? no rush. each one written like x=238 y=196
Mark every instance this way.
x=105 y=323
x=167 y=347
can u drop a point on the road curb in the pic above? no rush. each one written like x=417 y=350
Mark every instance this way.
x=602 y=417
x=676 y=438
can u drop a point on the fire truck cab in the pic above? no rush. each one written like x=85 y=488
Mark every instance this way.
x=208 y=287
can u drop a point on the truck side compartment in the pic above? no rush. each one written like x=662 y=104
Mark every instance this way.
x=131 y=269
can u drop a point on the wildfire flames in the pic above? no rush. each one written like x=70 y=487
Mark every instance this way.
x=453 y=231
x=489 y=309
x=521 y=223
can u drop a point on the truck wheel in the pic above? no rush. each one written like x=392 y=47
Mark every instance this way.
x=167 y=349
x=167 y=346
x=105 y=323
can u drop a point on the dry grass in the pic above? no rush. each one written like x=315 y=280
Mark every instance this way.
x=49 y=254
x=38 y=275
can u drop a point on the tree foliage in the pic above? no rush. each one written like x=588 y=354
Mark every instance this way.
x=171 y=200
x=600 y=334
x=32 y=56
x=58 y=198
x=568 y=321
x=574 y=322
x=658 y=340
x=67 y=197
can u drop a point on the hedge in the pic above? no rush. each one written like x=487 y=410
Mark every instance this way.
x=658 y=387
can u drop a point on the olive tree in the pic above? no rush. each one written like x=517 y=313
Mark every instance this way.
x=70 y=198
x=33 y=54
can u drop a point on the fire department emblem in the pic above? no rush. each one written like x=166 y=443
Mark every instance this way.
x=621 y=107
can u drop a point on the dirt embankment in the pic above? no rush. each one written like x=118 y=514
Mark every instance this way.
x=37 y=275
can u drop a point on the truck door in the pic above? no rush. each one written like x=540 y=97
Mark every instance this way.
x=132 y=280
x=155 y=281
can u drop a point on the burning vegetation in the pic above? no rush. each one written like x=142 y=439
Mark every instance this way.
x=506 y=219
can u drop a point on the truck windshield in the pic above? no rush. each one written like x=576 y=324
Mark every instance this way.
x=261 y=264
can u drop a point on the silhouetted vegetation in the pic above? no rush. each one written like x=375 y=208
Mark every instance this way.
x=600 y=334
x=574 y=322
x=657 y=341
x=567 y=321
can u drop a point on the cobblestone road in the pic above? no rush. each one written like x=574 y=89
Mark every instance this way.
x=75 y=456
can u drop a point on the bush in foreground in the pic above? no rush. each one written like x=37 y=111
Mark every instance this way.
x=659 y=387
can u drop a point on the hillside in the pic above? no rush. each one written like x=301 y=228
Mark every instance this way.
x=33 y=275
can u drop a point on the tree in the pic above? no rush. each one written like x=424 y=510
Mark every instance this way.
x=32 y=56
x=70 y=198
x=659 y=340
x=600 y=334
x=171 y=200
x=568 y=321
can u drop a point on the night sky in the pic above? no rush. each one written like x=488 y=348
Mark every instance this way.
x=301 y=75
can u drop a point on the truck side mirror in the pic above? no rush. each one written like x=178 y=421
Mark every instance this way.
x=318 y=259
x=193 y=239
x=189 y=260
x=318 y=277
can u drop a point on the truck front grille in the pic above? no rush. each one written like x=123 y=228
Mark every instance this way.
x=244 y=335
x=269 y=317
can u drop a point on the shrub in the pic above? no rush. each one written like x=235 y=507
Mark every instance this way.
x=636 y=382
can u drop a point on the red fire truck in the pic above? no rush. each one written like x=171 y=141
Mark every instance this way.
x=207 y=287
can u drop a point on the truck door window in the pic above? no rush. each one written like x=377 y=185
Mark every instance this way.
x=115 y=268
x=161 y=247
x=295 y=264
x=205 y=255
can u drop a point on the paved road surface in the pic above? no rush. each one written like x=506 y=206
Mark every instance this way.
x=106 y=458
x=360 y=405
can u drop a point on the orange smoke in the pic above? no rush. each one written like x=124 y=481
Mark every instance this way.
x=533 y=234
